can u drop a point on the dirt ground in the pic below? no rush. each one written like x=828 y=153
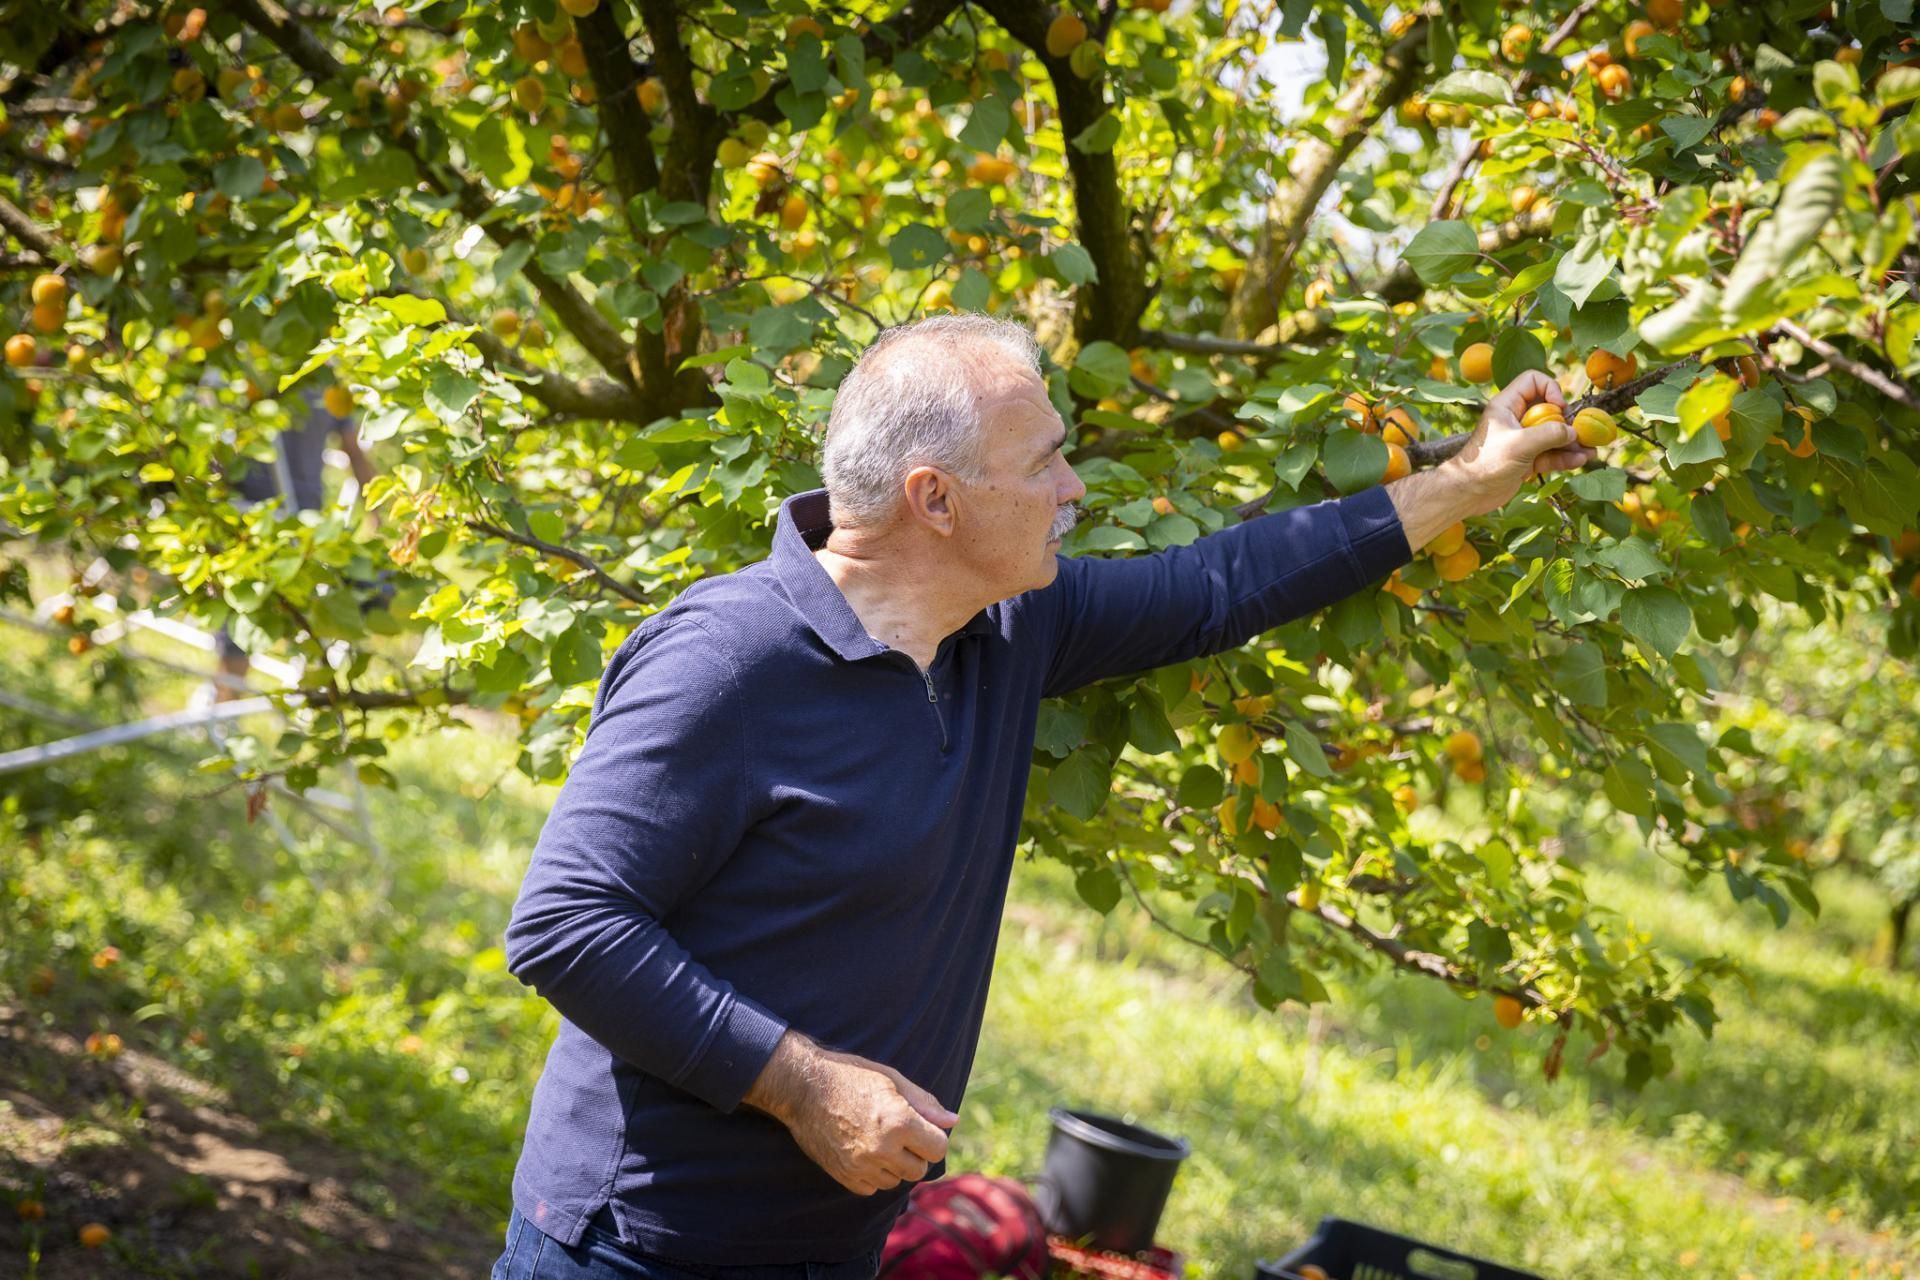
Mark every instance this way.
x=186 y=1183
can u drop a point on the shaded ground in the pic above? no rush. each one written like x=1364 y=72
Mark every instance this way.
x=187 y=1183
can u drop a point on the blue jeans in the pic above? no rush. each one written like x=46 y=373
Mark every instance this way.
x=532 y=1254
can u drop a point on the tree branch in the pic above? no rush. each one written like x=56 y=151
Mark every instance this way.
x=1422 y=962
x=30 y=233
x=592 y=566
x=592 y=329
x=1399 y=285
x=1896 y=391
x=615 y=75
x=1111 y=307
x=1256 y=302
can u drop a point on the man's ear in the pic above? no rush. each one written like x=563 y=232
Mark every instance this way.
x=931 y=499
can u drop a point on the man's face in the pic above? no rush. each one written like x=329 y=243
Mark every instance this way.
x=1014 y=518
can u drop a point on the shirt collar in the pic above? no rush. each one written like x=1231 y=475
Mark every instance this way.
x=803 y=527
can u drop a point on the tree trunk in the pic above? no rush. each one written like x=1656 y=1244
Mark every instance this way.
x=1897 y=918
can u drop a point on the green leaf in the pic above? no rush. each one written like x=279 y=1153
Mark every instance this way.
x=1441 y=250
x=1680 y=328
x=1059 y=728
x=1608 y=484
x=1897 y=85
x=499 y=150
x=239 y=177
x=1147 y=727
x=1686 y=130
x=1201 y=787
x=1305 y=750
x=1657 y=617
x=1074 y=264
x=575 y=656
x=1632 y=558
x=1580 y=674
x=1099 y=137
x=1583 y=268
x=969 y=209
x=1517 y=351
x=1079 y=783
x=1098 y=887
x=1806 y=204
x=449 y=393
x=1101 y=369
x=1476 y=88
x=408 y=309
x=1606 y=324
x=1629 y=784
x=972 y=291
x=1354 y=460
x=1108 y=538
x=917 y=246
x=987 y=124
x=1702 y=403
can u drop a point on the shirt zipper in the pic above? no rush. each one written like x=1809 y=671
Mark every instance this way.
x=933 y=696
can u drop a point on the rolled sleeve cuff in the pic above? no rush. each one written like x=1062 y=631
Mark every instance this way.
x=1375 y=538
x=735 y=1056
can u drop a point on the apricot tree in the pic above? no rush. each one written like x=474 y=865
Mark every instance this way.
x=587 y=275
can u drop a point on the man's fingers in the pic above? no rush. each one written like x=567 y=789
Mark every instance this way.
x=907 y=1167
x=920 y=1100
x=925 y=1141
x=1546 y=437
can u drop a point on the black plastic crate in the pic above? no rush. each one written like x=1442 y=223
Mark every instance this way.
x=1345 y=1250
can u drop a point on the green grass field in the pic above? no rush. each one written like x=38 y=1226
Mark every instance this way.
x=357 y=1010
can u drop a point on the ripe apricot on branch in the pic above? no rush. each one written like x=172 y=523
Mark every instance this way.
x=1065 y=33
x=1615 y=81
x=529 y=95
x=338 y=400
x=1237 y=742
x=1463 y=745
x=1543 y=412
x=49 y=291
x=1317 y=292
x=1507 y=1011
x=1399 y=466
x=1595 y=427
x=1476 y=362
x=21 y=349
x=1636 y=31
x=1607 y=370
x=1448 y=540
x=1666 y=13
x=1458 y=565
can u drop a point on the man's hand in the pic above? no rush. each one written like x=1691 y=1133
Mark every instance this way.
x=866 y=1124
x=1502 y=455
x=1497 y=459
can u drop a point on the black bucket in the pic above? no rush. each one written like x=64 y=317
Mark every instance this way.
x=1106 y=1181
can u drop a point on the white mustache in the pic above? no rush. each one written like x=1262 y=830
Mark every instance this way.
x=1063 y=522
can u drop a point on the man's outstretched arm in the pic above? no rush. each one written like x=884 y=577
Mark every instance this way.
x=1114 y=617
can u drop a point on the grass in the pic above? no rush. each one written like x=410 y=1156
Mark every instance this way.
x=365 y=1005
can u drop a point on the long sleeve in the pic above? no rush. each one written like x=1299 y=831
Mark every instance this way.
x=657 y=801
x=1114 y=617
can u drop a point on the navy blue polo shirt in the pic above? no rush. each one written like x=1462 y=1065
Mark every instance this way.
x=776 y=820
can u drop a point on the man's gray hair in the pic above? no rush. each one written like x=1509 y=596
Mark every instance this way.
x=910 y=401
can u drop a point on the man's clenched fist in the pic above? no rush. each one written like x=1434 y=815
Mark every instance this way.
x=864 y=1123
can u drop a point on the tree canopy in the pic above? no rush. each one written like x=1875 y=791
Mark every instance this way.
x=587 y=275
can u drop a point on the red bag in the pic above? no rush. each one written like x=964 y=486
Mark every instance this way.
x=966 y=1227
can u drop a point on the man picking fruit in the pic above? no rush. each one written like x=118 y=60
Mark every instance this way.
x=766 y=899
